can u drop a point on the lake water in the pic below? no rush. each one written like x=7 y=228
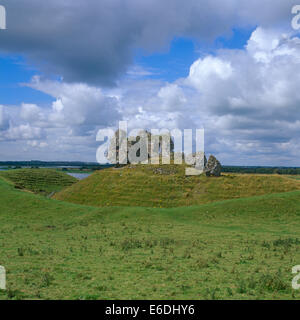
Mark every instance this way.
x=79 y=176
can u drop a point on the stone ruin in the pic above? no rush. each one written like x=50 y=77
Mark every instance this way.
x=212 y=167
x=155 y=146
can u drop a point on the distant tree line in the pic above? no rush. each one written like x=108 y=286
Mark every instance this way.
x=262 y=170
x=95 y=166
x=63 y=164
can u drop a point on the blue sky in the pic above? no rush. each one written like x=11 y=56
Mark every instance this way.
x=228 y=66
x=175 y=60
x=15 y=72
x=169 y=64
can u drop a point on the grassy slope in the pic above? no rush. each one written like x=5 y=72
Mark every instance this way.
x=141 y=186
x=233 y=249
x=42 y=181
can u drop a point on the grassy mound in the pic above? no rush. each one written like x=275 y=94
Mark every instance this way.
x=167 y=186
x=236 y=249
x=42 y=181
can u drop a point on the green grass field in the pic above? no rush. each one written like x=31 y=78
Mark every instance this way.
x=167 y=186
x=41 y=181
x=233 y=249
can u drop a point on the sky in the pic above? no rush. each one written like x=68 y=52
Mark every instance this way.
x=232 y=67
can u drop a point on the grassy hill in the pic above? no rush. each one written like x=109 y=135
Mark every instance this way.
x=42 y=181
x=236 y=249
x=167 y=186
